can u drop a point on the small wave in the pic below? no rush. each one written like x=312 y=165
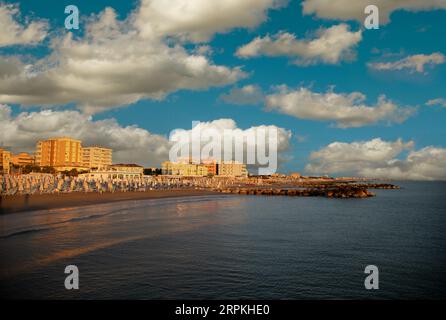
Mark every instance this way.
x=22 y=232
x=125 y=209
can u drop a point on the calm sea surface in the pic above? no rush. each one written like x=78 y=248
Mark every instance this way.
x=232 y=247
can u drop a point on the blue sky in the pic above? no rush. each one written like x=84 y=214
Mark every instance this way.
x=407 y=34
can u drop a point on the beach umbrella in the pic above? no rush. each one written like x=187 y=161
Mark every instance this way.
x=85 y=187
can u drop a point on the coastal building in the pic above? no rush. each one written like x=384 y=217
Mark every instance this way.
x=61 y=153
x=129 y=168
x=211 y=166
x=183 y=169
x=96 y=157
x=23 y=159
x=295 y=175
x=119 y=171
x=5 y=161
x=208 y=167
x=232 y=169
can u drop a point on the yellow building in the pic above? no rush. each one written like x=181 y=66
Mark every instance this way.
x=61 y=153
x=117 y=171
x=133 y=169
x=5 y=161
x=211 y=165
x=96 y=157
x=295 y=175
x=22 y=159
x=232 y=169
x=183 y=169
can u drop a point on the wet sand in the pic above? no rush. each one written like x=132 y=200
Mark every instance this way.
x=20 y=203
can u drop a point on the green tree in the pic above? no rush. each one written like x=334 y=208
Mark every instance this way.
x=48 y=169
x=73 y=173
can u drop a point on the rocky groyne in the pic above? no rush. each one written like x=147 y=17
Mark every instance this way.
x=333 y=192
x=313 y=189
x=381 y=186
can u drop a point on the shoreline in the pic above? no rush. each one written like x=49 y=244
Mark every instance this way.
x=46 y=201
x=23 y=203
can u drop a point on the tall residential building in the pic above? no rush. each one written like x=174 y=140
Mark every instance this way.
x=183 y=169
x=96 y=157
x=5 y=160
x=62 y=152
x=232 y=169
x=22 y=159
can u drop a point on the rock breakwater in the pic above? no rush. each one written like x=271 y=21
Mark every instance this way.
x=342 y=191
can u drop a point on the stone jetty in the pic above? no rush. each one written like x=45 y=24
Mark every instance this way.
x=328 y=190
x=382 y=186
x=342 y=191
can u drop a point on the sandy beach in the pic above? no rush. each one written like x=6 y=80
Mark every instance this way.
x=20 y=203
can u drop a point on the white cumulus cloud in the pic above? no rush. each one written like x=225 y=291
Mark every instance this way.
x=380 y=159
x=110 y=66
x=15 y=33
x=437 y=102
x=199 y=20
x=330 y=46
x=345 y=109
x=414 y=63
x=219 y=126
x=246 y=95
x=354 y=10
x=130 y=144
x=263 y=146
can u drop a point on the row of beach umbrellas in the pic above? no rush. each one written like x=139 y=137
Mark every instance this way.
x=46 y=183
